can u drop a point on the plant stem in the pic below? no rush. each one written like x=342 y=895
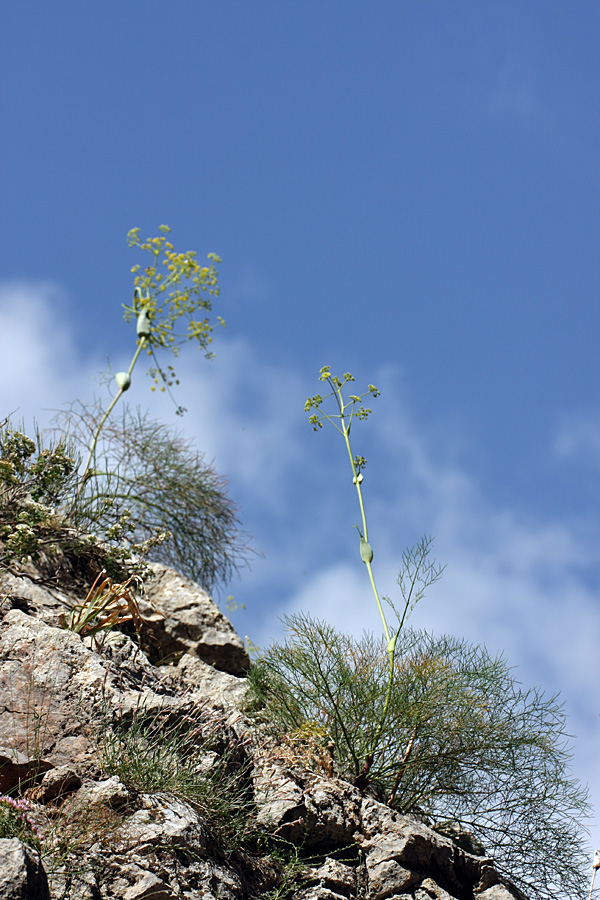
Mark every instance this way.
x=346 y=433
x=402 y=768
x=346 y=423
x=86 y=472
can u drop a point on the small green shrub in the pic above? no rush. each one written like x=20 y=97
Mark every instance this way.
x=34 y=479
x=143 y=492
x=462 y=741
x=39 y=521
x=151 y=489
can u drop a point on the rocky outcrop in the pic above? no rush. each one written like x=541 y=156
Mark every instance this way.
x=22 y=875
x=181 y=618
x=105 y=837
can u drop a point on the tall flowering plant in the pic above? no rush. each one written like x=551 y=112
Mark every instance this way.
x=173 y=286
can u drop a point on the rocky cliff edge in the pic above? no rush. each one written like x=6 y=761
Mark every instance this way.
x=74 y=711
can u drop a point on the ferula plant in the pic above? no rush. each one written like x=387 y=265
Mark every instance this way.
x=420 y=572
x=173 y=286
x=112 y=494
x=433 y=726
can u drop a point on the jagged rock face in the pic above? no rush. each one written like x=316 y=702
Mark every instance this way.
x=181 y=617
x=59 y=691
x=22 y=875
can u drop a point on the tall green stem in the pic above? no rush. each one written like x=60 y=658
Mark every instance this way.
x=122 y=388
x=346 y=422
x=357 y=479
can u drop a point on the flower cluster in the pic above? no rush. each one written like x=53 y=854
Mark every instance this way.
x=173 y=285
x=349 y=410
x=16 y=823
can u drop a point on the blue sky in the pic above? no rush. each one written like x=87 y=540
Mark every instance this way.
x=408 y=191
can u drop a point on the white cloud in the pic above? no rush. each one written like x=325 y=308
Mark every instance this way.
x=578 y=439
x=39 y=365
x=239 y=411
x=242 y=413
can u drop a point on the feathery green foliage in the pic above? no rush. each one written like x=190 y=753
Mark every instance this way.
x=431 y=725
x=165 y=497
x=462 y=742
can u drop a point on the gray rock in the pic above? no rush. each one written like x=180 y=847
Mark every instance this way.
x=223 y=690
x=387 y=877
x=280 y=799
x=333 y=811
x=51 y=685
x=429 y=890
x=463 y=838
x=387 y=837
x=18 y=768
x=110 y=792
x=318 y=893
x=57 y=782
x=58 y=691
x=166 y=821
x=25 y=594
x=333 y=875
x=22 y=876
x=181 y=617
x=149 y=887
x=498 y=892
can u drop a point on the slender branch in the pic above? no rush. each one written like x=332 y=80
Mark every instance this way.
x=402 y=767
x=86 y=472
x=338 y=716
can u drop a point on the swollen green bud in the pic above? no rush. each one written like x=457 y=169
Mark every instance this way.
x=123 y=380
x=143 y=325
x=366 y=551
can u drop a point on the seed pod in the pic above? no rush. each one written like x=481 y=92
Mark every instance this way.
x=123 y=380
x=366 y=551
